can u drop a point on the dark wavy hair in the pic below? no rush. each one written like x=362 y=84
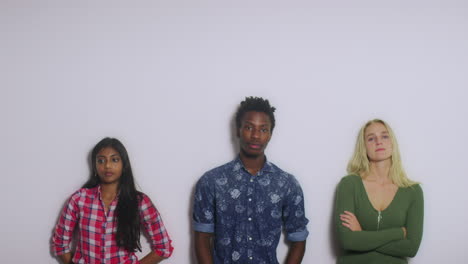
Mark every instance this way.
x=256 y=104
x=127 y=214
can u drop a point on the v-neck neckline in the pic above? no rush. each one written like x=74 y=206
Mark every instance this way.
x=369 y=201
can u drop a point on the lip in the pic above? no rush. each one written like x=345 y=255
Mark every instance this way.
x=255 y=146
x=108 y=174
x=379 y=149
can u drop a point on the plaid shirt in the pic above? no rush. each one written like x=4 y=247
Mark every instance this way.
x=96 y=243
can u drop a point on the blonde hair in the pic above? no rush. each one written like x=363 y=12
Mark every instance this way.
x=359 y=163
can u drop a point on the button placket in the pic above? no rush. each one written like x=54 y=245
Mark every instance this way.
x=250 y=206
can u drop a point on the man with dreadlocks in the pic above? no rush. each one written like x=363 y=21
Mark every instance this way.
x=240 y=208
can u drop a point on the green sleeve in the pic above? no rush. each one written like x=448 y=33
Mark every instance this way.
x=414 y=225
x=358 y=240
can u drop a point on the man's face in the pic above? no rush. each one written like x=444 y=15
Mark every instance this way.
x=254 y=133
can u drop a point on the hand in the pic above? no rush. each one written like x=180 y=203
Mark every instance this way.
x=404 y=232
x=350 y=221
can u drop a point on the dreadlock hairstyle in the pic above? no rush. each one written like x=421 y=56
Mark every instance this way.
x=127 y=215
x=256 y=104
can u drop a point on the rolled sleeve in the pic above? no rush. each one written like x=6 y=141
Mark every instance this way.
x=295 y=221
x=298 y=236
x=66 y=224
x=200 y=227
x=152 y=221
x=203 y=207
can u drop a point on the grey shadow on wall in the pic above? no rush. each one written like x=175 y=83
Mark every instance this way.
x=334 y=242
x=234 y=138
x=191 y=253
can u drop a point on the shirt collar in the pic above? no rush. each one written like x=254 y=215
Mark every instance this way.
x=97 y=192
x=267 y=167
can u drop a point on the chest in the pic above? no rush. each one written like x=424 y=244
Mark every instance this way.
x=96 y=214
x=391 y=212
x=380 y=196
x=243 y=193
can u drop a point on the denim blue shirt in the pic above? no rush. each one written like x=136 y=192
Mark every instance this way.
x=246 y=212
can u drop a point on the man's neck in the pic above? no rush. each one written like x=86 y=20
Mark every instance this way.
x=253 y=164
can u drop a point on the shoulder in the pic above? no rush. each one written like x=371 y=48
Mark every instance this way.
x=414 y=190
x=82 y=197
x=281 y=175
x=274 y=169
x=142 y=196
x=350 y=179
x=84 y=193
x=349 y=183
x=220 y=171
x=144 y=200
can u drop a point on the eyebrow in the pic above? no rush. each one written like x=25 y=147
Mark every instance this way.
x=373 y=134
x=250 y=123
x=113 y=155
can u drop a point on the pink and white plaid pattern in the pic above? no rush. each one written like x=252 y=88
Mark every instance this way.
x=96 y=243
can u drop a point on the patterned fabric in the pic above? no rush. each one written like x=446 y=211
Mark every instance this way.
x=97 y=230
x=246 y=213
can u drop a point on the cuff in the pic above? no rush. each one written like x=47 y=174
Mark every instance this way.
x=298 y=236
x=63 y=250
x=205 y=228
x=164 y=253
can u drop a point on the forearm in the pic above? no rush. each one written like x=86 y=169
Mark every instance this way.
x=66 y=258
x=369 y=240
x=414 y=228
x=151 y=258
x=203 y=247
x=400 y=248
x=296 y=252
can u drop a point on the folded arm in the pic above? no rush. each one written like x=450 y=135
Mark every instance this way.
x=414 y=226
x=358 y=240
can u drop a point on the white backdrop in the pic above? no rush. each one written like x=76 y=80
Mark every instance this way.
x=165 y=77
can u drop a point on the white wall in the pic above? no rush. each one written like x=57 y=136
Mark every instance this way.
x=165 y=77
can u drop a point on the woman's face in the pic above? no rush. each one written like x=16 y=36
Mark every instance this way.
x=109 y=165
x=378 y=142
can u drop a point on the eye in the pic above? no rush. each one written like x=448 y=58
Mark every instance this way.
x=386 y=136
x=100 y=161
x=369 y=139
x=248 y=128
x=115 y=160
x=264 y=130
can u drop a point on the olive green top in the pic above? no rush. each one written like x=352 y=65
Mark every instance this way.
x=382 y=240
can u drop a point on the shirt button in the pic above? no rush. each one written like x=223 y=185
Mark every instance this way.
x=250 y=219
x=251 y=180
x=250 y=258
x=250 y=199
x=250 y=238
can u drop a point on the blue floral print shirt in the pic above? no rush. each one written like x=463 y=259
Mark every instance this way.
x=246 y=212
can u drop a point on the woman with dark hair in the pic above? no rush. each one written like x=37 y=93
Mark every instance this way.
x=110 y=212
x=379 y=211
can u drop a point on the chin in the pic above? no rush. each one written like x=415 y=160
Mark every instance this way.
x=253 y=154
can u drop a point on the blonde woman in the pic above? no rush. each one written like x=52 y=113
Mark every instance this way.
x=378 y=211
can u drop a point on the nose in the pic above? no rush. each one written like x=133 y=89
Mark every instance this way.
x=255 y=133
x=107 y=164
